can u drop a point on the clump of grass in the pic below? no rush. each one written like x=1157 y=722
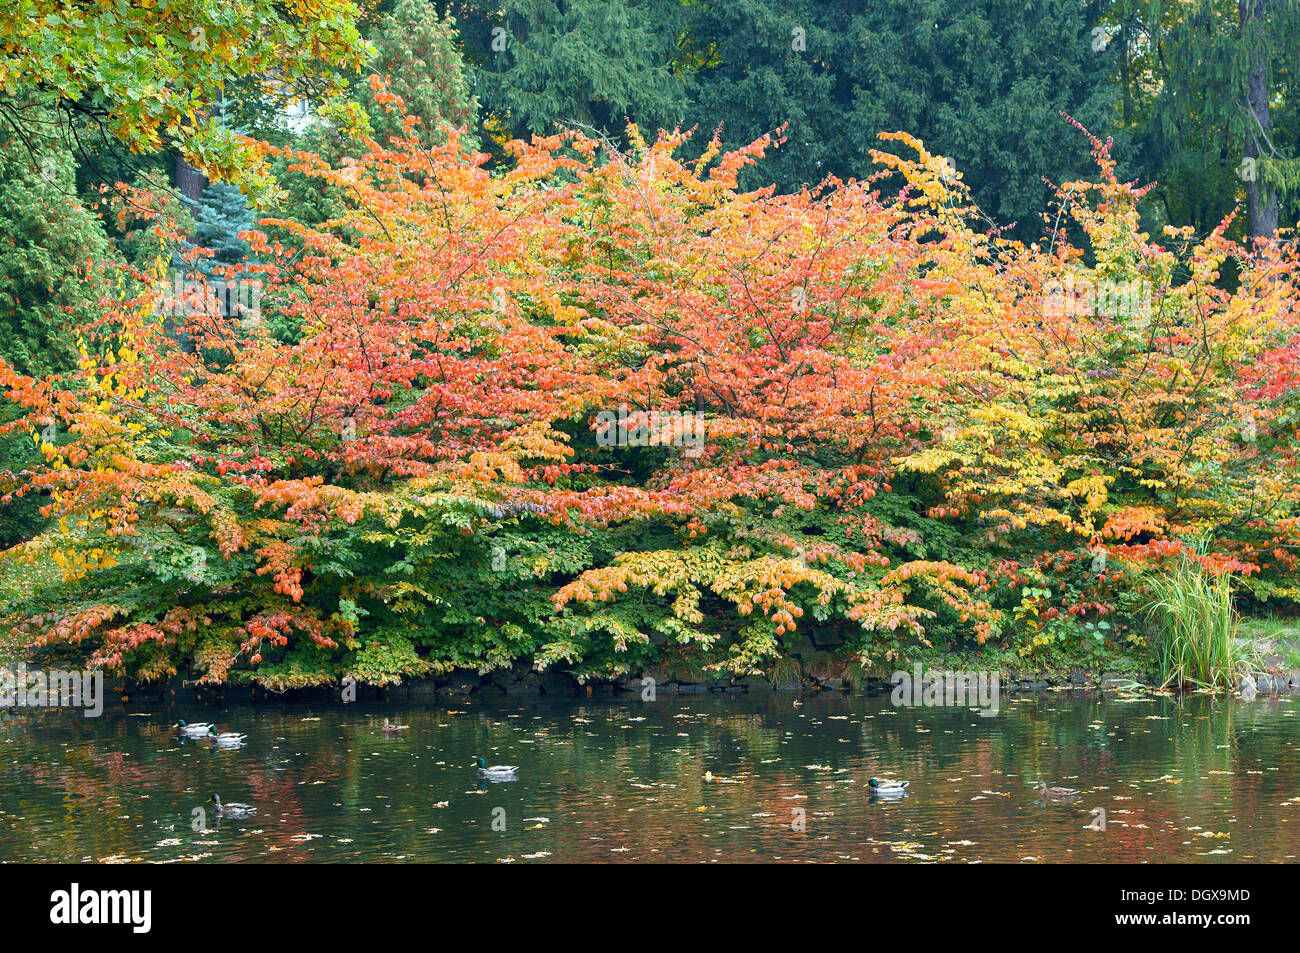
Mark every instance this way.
x=785 y=670
x=823 y=665
x=1197 y=640
x=854 y=675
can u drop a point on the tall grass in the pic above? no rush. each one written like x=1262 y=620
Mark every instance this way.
x=785 y=669
x=1197 y=640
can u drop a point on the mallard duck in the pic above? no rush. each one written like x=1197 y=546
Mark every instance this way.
x=497 y=772
x=389 y=726
x=200 y=729
x=234 y=808
x=1046 y=792
x=888 y=788
x=226 y=739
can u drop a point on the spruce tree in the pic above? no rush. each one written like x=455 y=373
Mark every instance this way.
x=219 y=216
x=1210 y=92
x=417 y=51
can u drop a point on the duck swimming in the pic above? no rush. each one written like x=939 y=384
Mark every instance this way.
x=1055 y=793
x=497 y=772
x=888 y=788
x=200 y=729
x=233 y=809
x=227 y=739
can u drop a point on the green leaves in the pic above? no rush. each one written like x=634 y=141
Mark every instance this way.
x=150 y=71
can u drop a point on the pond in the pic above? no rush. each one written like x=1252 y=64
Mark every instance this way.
x=715 y=778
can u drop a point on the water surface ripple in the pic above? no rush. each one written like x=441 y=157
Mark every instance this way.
x=681 y=779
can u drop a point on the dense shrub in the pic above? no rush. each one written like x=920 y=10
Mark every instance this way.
x=911 y=429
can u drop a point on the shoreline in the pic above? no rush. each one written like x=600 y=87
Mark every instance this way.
x=464 y=685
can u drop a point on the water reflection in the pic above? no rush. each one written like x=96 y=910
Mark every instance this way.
x=711 y=778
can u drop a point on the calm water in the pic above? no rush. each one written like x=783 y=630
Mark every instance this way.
x=1204 y=780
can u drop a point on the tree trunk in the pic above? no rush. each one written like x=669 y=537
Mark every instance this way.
x=1262 y=200
x=190 y=182
x=1124 y=72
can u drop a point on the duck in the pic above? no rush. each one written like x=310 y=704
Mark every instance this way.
x=888 y=788
x=389 y=726
x=1055 y=792
x=200 y=729
x=497 y=772
x=233 y=809
x=1248 y=688
x=226 y=739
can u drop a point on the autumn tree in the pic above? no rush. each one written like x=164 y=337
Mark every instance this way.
x=607 y=410
x=149 y=75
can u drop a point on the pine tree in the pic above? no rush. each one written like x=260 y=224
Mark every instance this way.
x=1210 y=90
x=595 y=63
x=417 y=50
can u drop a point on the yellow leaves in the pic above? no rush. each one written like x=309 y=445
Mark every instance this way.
x=537 y=442
x=1010 y=420
x=75 y=564
x=490 y=466
x=930 y=460
x=952 y=584
x=1092 y=488
x=761 y=584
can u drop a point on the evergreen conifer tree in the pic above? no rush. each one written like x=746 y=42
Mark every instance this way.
x=417 y=51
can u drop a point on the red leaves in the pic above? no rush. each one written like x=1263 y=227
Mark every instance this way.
x=278 y=562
